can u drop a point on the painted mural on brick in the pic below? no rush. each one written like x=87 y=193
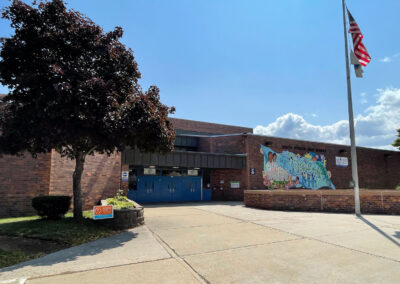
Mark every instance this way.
x=294 y=171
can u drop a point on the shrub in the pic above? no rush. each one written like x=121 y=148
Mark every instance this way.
x=51 y=206
x=120 y=202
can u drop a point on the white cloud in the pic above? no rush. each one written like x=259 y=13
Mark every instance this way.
x=295 y=126
x=314 y=115
x=363 y=99
x=386 y=59
x=375 y=128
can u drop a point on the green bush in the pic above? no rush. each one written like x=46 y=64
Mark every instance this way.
x=51 y=206
x=398 y=187
x=120 y=202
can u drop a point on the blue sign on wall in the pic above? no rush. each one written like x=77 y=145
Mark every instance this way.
x=125 y=176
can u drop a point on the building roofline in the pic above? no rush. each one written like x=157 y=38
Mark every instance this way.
x=325 y=143
x=212 y=135
x=213 y=123
x=213 y=153
x=285 y=138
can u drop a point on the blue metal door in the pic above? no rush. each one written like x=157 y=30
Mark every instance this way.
x=132 y=194
x=178 y=189
x=145 y=189
x=190 y=189
x=166 y=189
x=195 y=189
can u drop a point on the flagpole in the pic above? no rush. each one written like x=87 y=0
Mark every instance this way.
x=354 y=170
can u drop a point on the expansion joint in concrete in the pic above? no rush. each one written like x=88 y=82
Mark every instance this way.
x=200 y=278
x=305 y=237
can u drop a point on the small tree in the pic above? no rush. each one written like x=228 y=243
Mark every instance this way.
x=74 y=89
x=396 y=142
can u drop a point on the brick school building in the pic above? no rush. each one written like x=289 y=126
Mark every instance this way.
x=210 y=162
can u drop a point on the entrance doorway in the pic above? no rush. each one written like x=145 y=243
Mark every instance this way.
x=166 y=185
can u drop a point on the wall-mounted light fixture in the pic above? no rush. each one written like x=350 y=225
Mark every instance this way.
x=267 y=143
x=342 y=151
x=387 y=155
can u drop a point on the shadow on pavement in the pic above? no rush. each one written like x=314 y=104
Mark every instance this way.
x=73 y=253
x=190 y=204
x=380 y=231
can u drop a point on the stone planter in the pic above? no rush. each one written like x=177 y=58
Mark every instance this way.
x=126 y=218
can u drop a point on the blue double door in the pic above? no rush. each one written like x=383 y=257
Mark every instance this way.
x=167 y=189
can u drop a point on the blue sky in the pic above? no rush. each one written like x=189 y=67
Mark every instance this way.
x=278 y=65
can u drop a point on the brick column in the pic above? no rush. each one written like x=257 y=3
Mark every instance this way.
x=124 y=185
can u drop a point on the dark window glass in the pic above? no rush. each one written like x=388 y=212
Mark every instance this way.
x=132 y=178
x=172 y=172
x=206 y=178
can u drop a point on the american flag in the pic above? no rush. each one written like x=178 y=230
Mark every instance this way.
x=359 y=49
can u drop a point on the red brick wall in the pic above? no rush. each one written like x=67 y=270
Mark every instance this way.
x=199 y=126
x=233 y=144
x=372 y=201
x=100 y=179
x=125 y=184
x=223 y=191
x=21 y=179
x=376 y=170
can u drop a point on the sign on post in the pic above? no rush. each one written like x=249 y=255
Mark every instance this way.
x=103 y=212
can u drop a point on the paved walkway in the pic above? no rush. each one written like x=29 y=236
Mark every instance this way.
x=227 y=242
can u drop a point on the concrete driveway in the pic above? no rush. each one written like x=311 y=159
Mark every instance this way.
x=229 y=243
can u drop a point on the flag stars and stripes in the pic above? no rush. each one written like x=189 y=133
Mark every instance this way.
x=359 y=48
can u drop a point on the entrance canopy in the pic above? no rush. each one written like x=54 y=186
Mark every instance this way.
x=185 y=159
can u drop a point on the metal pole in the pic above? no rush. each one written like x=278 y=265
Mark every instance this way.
x=354 y=170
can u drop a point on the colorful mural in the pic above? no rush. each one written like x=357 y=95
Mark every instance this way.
x=291 y=171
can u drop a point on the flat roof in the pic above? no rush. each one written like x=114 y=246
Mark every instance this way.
x=207 y=128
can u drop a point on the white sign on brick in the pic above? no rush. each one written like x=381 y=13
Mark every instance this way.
x=342 y=162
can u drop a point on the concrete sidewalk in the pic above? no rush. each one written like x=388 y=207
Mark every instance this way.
x=134 y=246
x=227 y=242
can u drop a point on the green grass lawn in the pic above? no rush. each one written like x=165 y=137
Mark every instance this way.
x=65 y=231
x=8 y=258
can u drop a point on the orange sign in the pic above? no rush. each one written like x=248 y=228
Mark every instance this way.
x=103 y=212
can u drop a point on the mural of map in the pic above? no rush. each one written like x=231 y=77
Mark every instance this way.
x=289 y=170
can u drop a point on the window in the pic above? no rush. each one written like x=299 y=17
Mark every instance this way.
x=132 y=178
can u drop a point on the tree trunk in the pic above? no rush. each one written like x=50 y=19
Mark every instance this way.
x=77 y=176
